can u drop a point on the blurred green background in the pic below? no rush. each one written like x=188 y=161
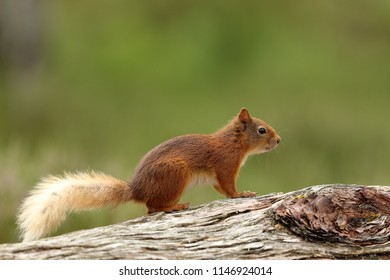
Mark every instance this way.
x=96 y=84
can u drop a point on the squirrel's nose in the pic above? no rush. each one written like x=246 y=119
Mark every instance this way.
x=278 y=139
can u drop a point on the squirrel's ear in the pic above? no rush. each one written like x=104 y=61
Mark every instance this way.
x=244 y=116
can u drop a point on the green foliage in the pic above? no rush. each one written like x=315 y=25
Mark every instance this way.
x=119 y=77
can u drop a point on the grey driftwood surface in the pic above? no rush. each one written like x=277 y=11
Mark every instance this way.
x=318 y=222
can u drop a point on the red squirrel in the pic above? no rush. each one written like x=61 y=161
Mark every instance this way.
x=159 y=180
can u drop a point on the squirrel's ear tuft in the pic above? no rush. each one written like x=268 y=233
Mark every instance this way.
x=244 y=116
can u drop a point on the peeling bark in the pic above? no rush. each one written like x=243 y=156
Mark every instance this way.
x=319 y=222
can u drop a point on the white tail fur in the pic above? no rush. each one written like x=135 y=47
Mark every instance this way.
x=53 y=197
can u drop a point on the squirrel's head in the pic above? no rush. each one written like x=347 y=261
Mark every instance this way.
x=259 y=135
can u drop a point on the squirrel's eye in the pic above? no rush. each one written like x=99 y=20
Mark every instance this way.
x=262 y=130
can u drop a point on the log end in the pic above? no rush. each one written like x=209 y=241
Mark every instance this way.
x=354 y=215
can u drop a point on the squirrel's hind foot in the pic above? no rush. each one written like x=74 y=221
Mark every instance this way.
x=177 y=207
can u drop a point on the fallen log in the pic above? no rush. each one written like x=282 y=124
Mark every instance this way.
x=319 y=222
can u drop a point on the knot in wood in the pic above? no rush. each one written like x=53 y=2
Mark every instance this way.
x=358 y=214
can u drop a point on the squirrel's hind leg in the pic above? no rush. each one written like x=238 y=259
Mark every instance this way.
x=171 y=179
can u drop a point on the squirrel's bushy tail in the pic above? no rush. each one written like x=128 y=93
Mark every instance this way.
x=53 y=197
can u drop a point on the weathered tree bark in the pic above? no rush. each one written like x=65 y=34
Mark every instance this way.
x=319 y=222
